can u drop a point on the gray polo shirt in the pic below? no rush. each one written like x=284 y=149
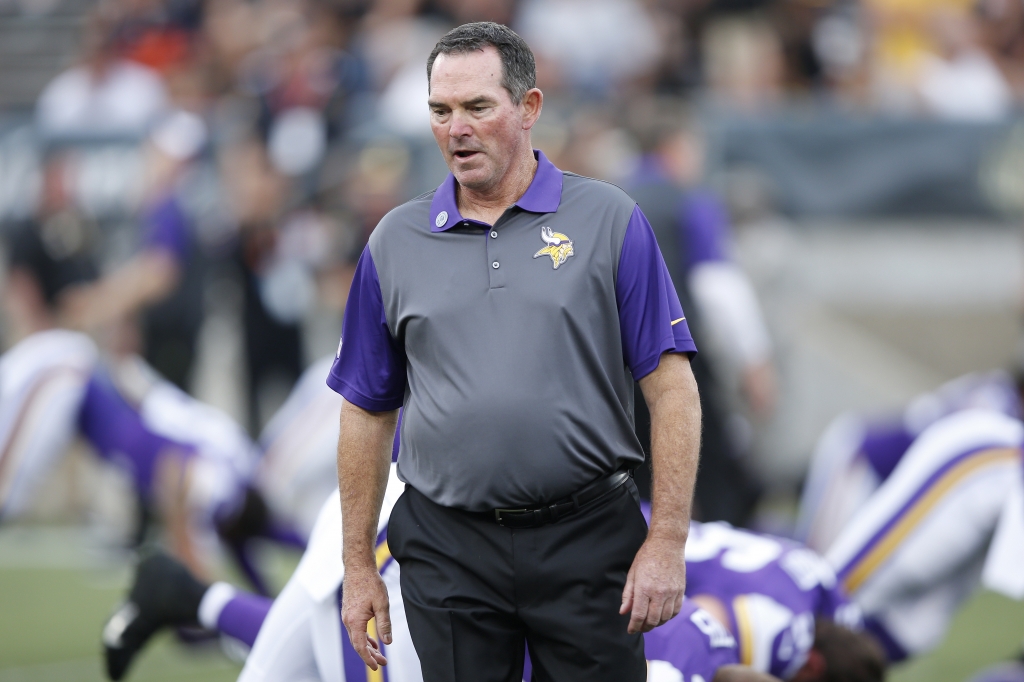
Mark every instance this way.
x=513 y=347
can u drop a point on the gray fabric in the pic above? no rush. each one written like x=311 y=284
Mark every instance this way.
x=518 y=393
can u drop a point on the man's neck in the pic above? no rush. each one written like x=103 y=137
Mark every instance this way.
x=487 y=206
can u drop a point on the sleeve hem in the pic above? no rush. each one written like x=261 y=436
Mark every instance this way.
x=359 y=399
x=648 y=365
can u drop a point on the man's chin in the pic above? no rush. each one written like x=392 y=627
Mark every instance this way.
x=473 y=178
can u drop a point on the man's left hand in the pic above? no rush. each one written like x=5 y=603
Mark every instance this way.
x=655 y=584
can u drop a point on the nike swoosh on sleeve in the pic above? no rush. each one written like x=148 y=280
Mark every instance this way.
x=675 y=322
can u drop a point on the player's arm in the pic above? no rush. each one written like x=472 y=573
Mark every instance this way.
x=147 y=278
x=364 y=456
x=173 y=480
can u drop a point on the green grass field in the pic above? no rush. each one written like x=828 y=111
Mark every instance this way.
x=56 y=591
x=53 y=604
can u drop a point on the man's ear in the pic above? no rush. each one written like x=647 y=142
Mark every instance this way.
x=813 y=670
x=533 y=102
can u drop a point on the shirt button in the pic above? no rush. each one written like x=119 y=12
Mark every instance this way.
x=494 y=234
x=495 y=265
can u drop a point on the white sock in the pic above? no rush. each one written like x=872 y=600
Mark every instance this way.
x=216 y=598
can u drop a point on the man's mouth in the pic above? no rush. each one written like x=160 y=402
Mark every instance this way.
x=464 y=154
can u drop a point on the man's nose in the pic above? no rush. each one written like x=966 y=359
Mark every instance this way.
x=460 y=126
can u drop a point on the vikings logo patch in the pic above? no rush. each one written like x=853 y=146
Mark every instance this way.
x=559 y=247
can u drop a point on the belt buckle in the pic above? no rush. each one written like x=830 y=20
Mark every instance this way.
x=499 y=512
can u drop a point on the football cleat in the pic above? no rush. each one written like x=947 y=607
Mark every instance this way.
x=164 y=594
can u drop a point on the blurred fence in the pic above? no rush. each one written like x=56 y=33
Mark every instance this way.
x=820 y=165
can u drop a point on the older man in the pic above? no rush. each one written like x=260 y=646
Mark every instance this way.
x=509 y=312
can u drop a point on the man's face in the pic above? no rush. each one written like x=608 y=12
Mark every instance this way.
x=477 y=127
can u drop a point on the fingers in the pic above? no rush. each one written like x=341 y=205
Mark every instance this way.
x=650 y=612
x=373 y=649
x=668 y=611
x=382 y=614
x=627 y=595
x=366 y=647
x=365 y=598
x=654 y=611
x=361 y=642
x=638 y=616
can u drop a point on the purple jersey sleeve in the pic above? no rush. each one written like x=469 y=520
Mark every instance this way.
x=114 y=427
x=693 y=643
x=884 y=444
x=705 y=227
x=651 y=319
x=369 y=370
x=166 y=228
x=834 y=605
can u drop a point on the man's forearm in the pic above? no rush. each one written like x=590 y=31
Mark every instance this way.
x=364 y=455
x=674 y=404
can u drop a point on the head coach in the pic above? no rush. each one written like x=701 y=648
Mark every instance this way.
x=509 y=313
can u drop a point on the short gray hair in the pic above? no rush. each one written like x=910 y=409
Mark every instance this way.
x=518 y=67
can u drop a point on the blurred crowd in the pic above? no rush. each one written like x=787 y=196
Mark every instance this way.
x=258 y=142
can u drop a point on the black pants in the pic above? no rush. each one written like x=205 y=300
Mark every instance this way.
x=475 y=592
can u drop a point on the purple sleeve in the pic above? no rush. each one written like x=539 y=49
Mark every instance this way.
x=369 y=370
x=651 y=319
x=166 y=229
x=693 y=643
x=243 y=616
x=834 y=605
x=884 y=444
x=705 y=226
x=119 y=435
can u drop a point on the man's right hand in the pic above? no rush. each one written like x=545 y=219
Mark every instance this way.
x=364 y=596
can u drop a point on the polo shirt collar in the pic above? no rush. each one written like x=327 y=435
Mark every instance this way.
x=542 y=196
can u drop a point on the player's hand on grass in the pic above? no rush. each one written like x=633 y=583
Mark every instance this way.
x=655 y=584
x=364 y=596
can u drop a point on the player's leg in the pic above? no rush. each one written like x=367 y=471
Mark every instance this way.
x=284 y=648
x=298 y=469
x=166 y=594
x=42 y=381
x=838 y=482
x=914 y=551
x=214 y=491
x=303 y=639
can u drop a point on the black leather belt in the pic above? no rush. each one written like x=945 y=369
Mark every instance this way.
x=549 y=513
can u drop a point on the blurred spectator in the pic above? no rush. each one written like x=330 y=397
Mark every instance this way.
x=1001 y=25
x=50 y=256
x=902 y=38
x=593 y=46
x=275 y=293
x=691 y=227
x=959 y=80
x=839 y=40
x=160 y=285
x=106 y=94
x=395 y=43
x=743 y=62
